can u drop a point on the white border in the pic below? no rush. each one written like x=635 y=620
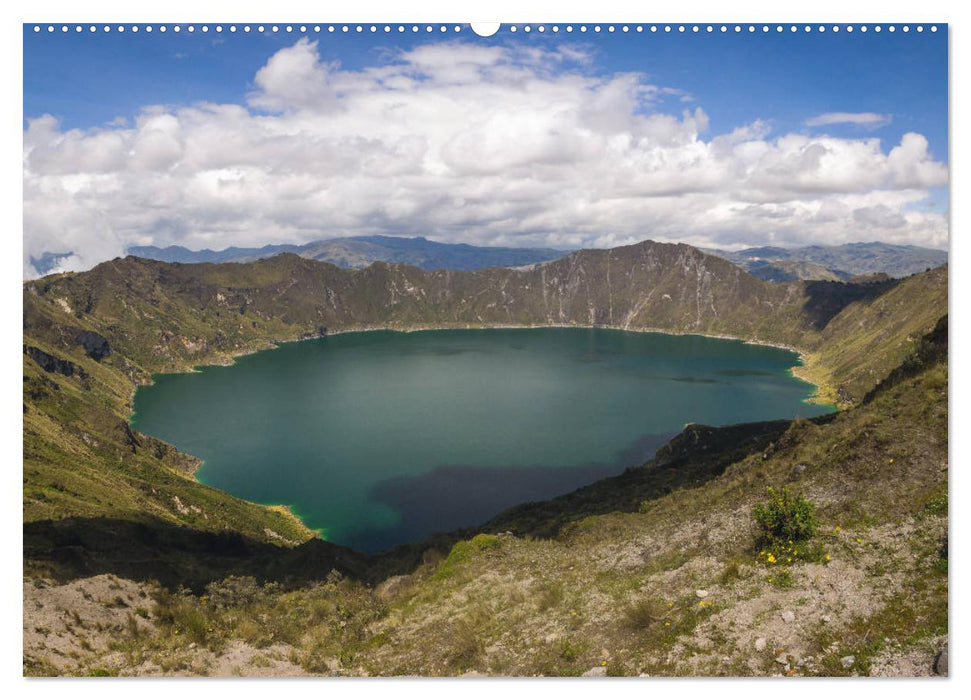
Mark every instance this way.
x=438 y=11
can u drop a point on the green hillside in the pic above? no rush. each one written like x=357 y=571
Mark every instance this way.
x=101 y=498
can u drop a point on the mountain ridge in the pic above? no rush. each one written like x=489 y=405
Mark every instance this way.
x=360 y=251
x=605 y=567
x=834 y=262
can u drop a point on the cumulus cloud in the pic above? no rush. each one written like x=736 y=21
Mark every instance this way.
x=871 y=120
x=461 y=143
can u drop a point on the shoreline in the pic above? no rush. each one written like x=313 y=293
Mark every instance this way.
x=285 y=510
x=802 y=354
x=816 y=398
x=822 y=395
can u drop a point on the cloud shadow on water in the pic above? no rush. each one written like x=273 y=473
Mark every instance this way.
x=454 y=495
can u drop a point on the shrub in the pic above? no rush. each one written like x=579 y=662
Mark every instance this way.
x=102 y=672
x=782 y=579
x=644 y=614
x=551 y=595
x=785 y=517
x=569 y=651
x=463 y=646
x=192 y=622
x=233 y=592
x=730 y=573
x=937 y=505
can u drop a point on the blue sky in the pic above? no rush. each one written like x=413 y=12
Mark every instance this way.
x=785 y=82
x=784 y=77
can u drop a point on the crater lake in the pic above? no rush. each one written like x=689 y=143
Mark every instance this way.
x=379 y=438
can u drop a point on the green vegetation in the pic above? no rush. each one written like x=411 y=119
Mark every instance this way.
x=465 y=550
x=650 y=572
x=785 y=518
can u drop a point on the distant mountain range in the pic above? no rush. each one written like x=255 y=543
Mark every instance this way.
x=361 y=251
x=47 y=262
x=851 y=261
x=839 y=262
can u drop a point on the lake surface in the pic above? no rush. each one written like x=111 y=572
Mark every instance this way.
x=380 y=438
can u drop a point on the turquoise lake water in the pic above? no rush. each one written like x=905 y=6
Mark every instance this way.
x=381 y=438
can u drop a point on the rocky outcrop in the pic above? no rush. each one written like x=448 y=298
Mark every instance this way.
x=940 y=663
x=95 y=345
x=50 y=363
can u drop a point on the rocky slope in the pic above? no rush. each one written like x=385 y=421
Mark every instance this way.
x=90 y=481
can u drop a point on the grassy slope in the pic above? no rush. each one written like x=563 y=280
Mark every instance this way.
x=618 y=590
x=883 y=331
x=80 y=458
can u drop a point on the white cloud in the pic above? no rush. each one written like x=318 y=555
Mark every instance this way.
x=460 y=143
x=294 y=78
x=870 y=120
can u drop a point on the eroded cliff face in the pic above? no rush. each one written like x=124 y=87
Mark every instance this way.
x=165 y=315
